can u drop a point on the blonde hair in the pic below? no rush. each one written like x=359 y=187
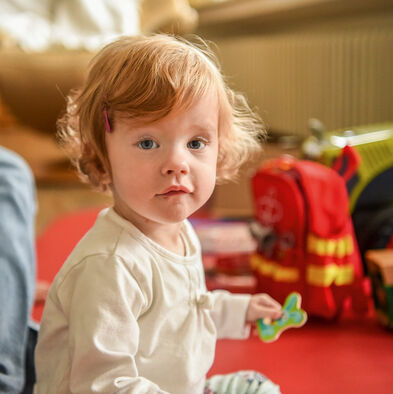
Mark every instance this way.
x=145 y=77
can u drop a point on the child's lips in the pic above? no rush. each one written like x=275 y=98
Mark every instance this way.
x=174 y=191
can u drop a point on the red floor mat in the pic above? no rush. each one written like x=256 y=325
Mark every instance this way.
x=352 y=356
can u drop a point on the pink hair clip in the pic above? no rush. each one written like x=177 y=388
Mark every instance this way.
x=107 y=124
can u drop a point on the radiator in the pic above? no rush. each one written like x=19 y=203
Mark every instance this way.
x=339 y=72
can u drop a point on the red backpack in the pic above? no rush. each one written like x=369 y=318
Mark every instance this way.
x=305 y=236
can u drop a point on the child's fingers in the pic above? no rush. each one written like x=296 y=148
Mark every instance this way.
x=263 y=313
x=263 y=306
x=41 y=291
x=266 y=300
x=270 y=311
x=273 y=303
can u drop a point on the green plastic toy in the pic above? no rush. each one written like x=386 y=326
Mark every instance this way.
x=292 y=316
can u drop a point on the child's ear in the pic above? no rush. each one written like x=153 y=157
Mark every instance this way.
x=106 y=178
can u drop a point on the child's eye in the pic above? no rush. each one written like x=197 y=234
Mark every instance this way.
x=147 y=144
x=196 y=144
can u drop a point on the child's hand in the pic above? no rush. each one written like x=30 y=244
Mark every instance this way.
x=263 y=306
x=41 y=291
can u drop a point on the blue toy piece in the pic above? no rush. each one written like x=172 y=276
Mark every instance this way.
x=292 y=316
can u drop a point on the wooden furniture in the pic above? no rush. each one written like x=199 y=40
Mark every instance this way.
x=380 y=265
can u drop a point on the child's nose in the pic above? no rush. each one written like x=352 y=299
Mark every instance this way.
x=175 y=163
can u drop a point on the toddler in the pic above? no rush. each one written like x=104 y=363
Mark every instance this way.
x=129 y=312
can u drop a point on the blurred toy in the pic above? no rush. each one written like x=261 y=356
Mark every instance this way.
x=228 y=241
x=380 y=264
x=305 y=236
x=226 y=248
x=364 y=157
x=293 y=316
x=371 y=172
x=347 y=163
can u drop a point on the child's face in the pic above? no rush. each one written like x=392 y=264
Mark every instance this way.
x=164 y=171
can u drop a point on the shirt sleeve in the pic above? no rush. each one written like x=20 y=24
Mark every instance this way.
x=229 y=314
x=103 y=301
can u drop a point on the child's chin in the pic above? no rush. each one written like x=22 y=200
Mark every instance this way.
x=172 y=219
x=174 y=216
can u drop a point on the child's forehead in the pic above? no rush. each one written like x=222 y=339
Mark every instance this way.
x=202 y=116
x=193 y=122
x=187 y=106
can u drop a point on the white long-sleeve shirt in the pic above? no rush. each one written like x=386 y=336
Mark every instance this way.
x=126 y=315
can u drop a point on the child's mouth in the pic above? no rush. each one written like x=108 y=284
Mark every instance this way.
x=174 y=191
